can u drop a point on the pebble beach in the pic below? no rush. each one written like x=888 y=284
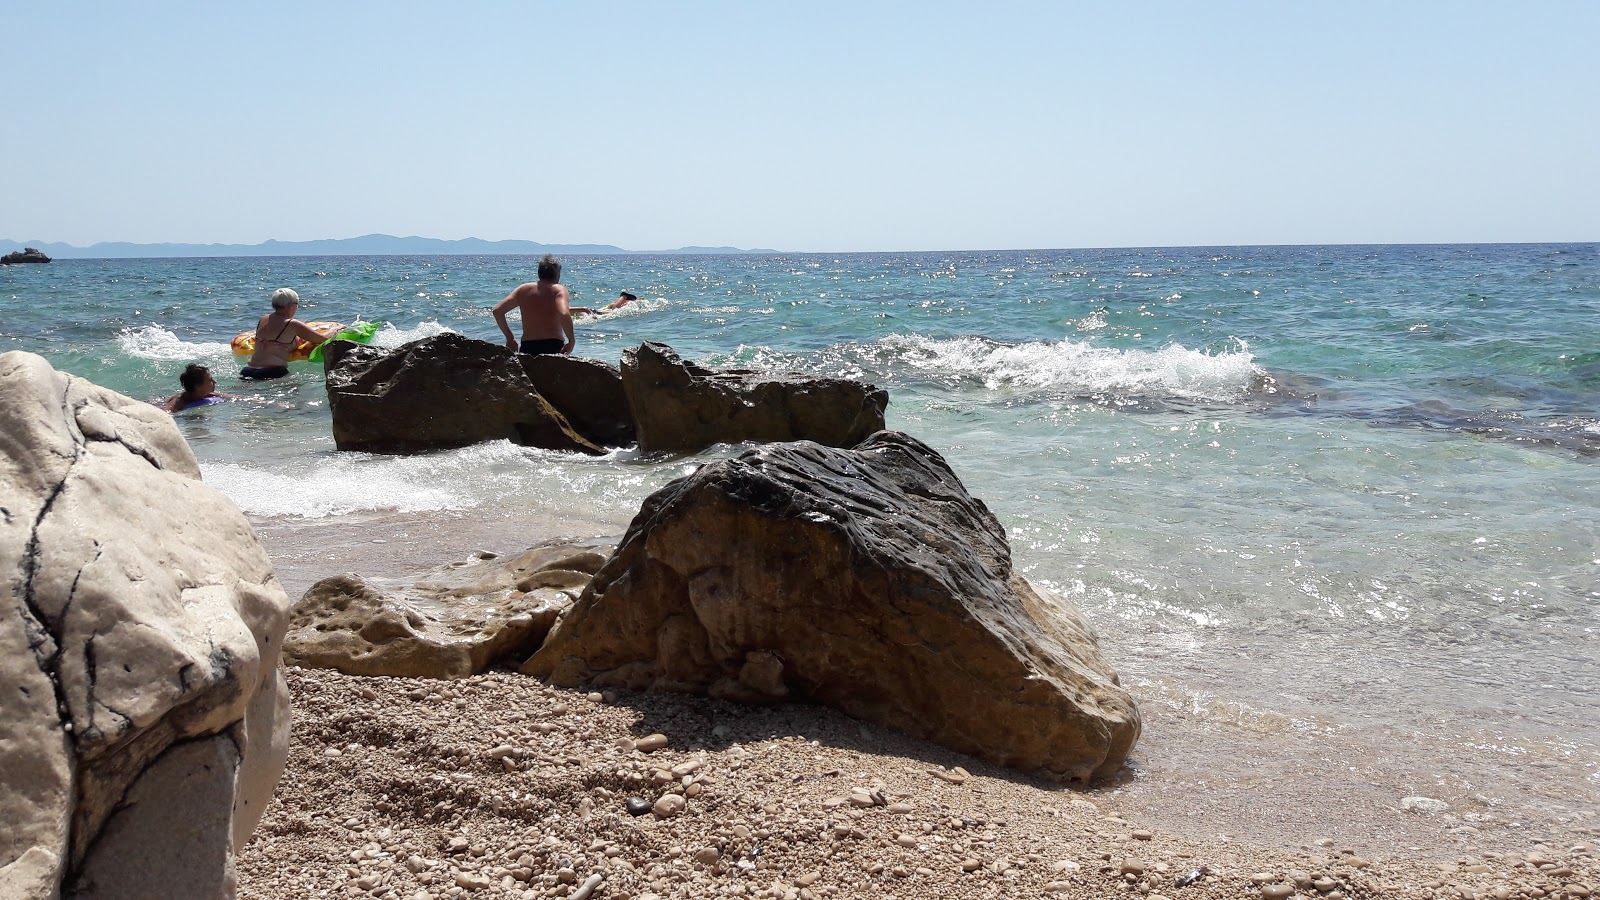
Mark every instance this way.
x=502 y=786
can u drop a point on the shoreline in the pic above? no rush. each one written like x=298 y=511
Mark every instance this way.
x=1222 y=780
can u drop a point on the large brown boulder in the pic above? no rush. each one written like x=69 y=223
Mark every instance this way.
x=587 y=391
x=438 y=393
x=681 y=407
x=452 y=622
x=143 y=715
x=864 y=579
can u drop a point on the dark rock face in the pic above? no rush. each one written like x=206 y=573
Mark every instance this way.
x=868 y=580
x=681 y=407
x=588 y=392
x=25 y=255
x=437 y=393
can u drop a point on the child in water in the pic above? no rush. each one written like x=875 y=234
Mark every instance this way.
x=199 y=389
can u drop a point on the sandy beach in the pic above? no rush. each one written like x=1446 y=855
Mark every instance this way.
x=503 y=786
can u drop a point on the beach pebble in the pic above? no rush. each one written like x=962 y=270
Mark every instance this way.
x=1142 y=835
x=970 y=865
x=472 y=881
x=1277 y=891
x=637 y=806
x=669 y=805
x=650 y=743
x=1424 y=805
x=707 y=855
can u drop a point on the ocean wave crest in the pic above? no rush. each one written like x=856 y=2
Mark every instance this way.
x=392 y=335
x=1076 y=366
x=335 y=488
x=155 y=342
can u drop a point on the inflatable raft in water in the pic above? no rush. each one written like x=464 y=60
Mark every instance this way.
x=361 y=332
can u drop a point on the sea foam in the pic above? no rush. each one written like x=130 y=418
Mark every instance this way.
x=1076 y=366
x=155 y=342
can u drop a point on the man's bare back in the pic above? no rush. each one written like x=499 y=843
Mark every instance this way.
x=546 y=318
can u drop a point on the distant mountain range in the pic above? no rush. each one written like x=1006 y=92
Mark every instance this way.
x=366 y=245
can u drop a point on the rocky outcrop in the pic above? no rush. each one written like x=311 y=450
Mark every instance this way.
x=681 y=407
x=452 y=622
x=587 y=391
x=143 y=716
x=864 y=579
x=25 y=255
x=439 y=393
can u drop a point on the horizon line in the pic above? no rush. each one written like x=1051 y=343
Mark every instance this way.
x=701 y=250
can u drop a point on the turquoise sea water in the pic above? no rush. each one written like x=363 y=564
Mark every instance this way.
x=1352 y=486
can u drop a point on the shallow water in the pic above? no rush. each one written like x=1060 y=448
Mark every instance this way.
x=1353 y=486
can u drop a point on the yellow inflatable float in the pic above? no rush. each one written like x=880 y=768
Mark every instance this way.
x=245 y=343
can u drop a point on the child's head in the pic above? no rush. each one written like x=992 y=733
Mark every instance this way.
x=195 y=377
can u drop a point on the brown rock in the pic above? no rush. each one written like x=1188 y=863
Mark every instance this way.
x=881 y=586
x=587 y=391
x=437 y=393
x=680 y=407
x=452 y=622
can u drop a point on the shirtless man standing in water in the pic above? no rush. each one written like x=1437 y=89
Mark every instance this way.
x=546 y=318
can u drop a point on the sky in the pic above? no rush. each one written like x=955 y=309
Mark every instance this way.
x=821 y=126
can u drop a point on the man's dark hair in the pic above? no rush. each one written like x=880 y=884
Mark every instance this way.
x=193 y=376
x=549 y=268
x=629 y=296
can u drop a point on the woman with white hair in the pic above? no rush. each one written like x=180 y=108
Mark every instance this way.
x=276 y=334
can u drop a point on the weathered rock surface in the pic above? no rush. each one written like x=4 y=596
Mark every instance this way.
x=587 y=391
x=438 y=393
x=25 y=255
x=452 y=622
x=864 y=579
x=681 y=407
x=143 y=715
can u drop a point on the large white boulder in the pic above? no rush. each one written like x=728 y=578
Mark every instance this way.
x=143 y=716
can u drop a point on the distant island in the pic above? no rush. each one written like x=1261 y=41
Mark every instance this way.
x=366 y=245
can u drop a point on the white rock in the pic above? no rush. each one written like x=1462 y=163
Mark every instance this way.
x=1426 y=805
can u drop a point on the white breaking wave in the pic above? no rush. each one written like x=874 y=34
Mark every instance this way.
x=391 y=335
x=334 y=488
x=1172 y=371
x=155 y=342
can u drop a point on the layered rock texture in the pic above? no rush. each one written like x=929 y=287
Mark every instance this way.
x=143 y=716
x=865 y=579
x=438 y=393
x=681 y=407
x=588 y=392
x=452 y=622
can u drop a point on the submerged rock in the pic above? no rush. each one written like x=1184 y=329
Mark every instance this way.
x=868 y=580
x=680 y=407
x=452 y=622
x=144 y=718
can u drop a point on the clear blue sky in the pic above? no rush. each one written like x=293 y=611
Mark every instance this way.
x=815 y=126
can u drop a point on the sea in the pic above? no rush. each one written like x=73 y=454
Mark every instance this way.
x=1341 y=501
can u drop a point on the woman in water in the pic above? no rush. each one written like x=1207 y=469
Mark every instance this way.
x=275 y=336
x=199 y=389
